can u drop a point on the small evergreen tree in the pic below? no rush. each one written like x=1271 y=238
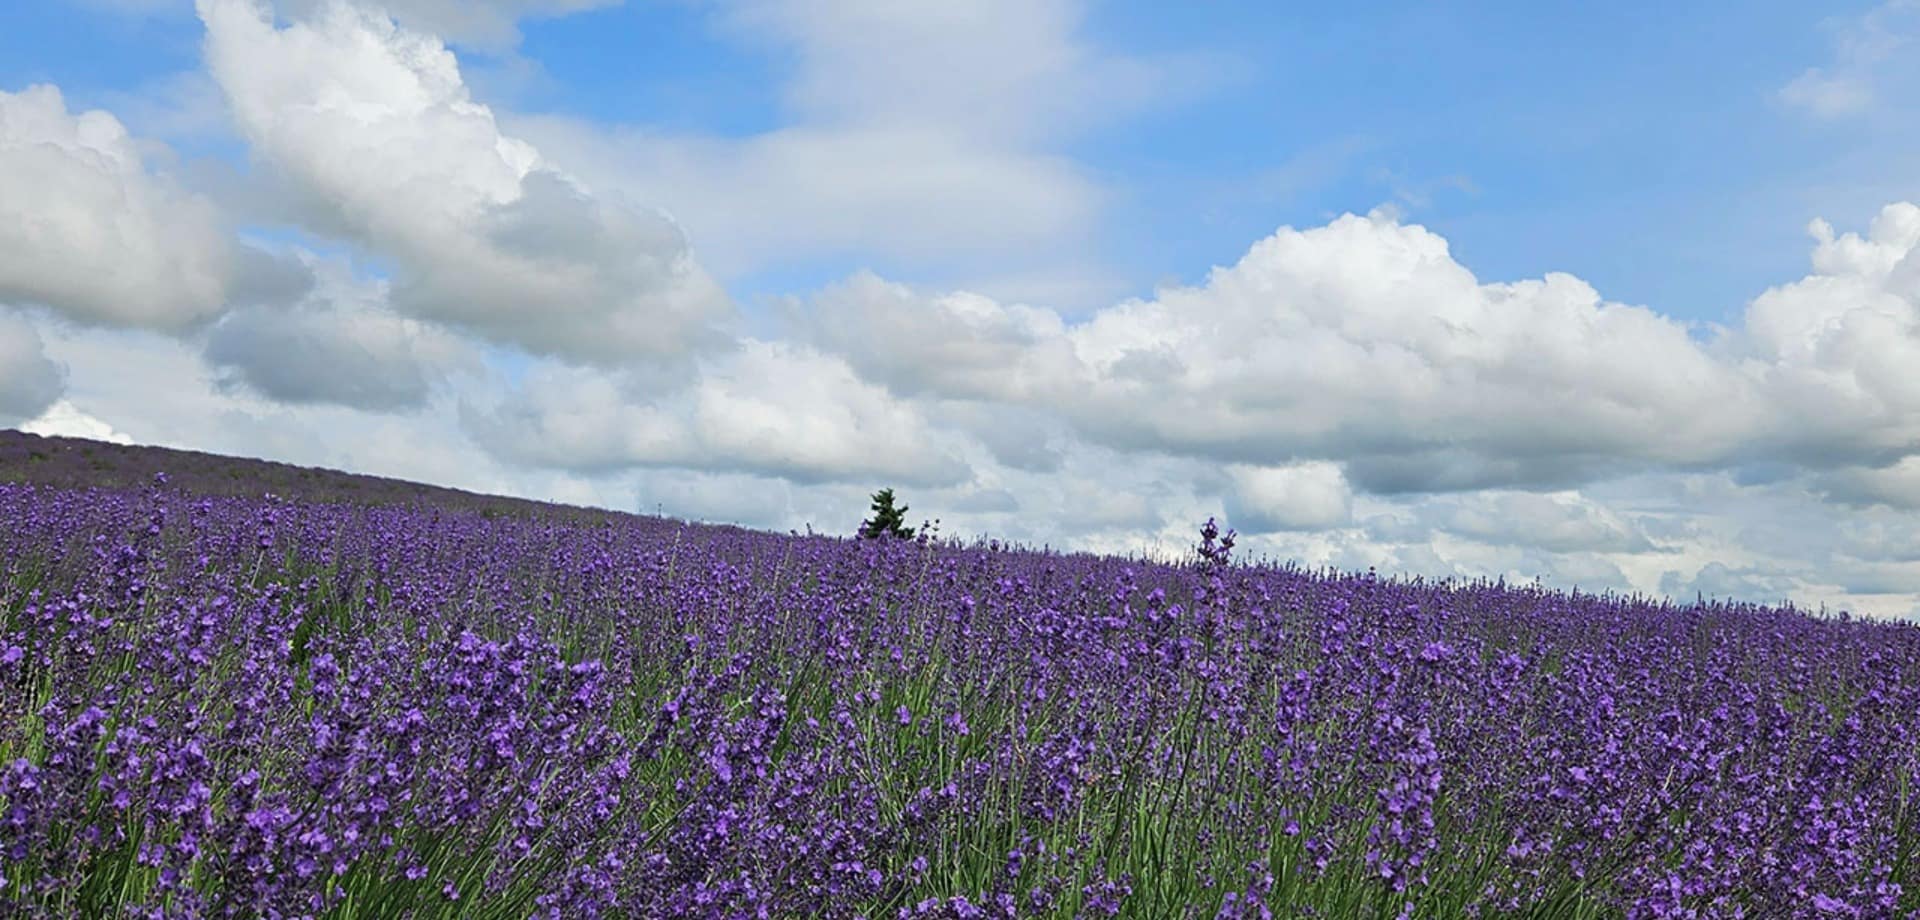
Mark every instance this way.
x=887 y=521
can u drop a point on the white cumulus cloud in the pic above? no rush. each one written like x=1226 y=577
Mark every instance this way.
x=372 y=123
x=1835 y=350
x=1301 y=496
x=1364 y=343
x=340 y=345
x=1361 y=342
x=767 y=408
x=64 y=419
x=89 y=231
x=1561 y=522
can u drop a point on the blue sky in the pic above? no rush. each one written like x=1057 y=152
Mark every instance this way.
x=1611 y=140
x=1640 y=146
x=1086 y=260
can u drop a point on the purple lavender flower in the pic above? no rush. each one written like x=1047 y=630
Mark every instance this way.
x=240 y=706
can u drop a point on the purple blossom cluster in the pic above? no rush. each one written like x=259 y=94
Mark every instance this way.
x=226 y=706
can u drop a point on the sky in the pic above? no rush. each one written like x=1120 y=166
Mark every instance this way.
x=1624 y=297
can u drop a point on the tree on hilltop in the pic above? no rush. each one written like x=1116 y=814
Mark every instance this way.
x=887 y=520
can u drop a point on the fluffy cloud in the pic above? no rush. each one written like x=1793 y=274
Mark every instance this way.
x=1836 y=348
x=1018 y=437
x=1363 y=342
x=1302 y=496
x=985 y=501
x=1364 y=338
x=958 y=344
x=63 y=419
x=373 y=125
x=1896 y=484
x=1879 y=535
x=87 y=230
x=1560 y=523
x=766 y=408
x=340 y=346
x=29 y=380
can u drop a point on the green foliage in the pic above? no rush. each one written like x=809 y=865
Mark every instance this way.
x=887 y=520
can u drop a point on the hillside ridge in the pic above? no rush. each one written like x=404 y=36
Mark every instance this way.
x=78 y=463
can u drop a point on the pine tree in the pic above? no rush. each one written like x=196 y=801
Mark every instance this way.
x=887 y=521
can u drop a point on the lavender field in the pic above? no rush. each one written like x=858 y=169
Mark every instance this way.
x=221 y=705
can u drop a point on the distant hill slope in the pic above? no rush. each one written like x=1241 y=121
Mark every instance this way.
x=82 y=463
